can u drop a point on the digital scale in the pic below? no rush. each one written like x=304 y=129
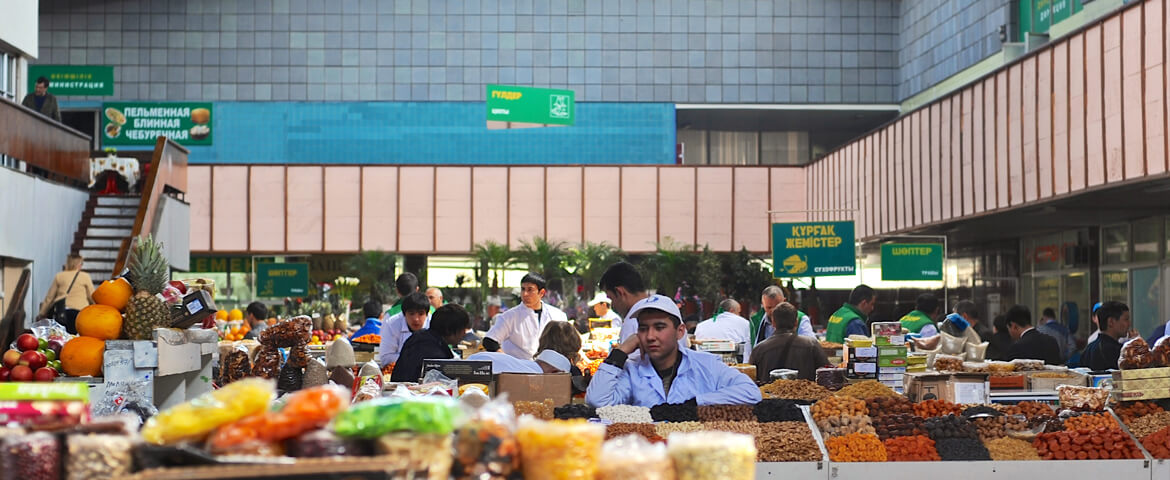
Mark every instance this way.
x=196 y=306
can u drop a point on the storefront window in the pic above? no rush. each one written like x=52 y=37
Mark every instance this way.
x=1115 y=286
x=1074 y=310
x=1047 y=294
x=1146 y=236
x=1146 y=290
x=1115 y=244
x=1166 y=251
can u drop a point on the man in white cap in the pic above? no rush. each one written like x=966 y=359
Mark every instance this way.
x=665 y=373
x=547 y=361
x=600 y=305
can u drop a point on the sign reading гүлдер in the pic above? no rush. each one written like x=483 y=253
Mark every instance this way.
x=520 y=107
x=813 y=249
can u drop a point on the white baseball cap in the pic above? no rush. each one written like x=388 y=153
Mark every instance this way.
x=601 y=297
x=655 y=302
x=554 y=359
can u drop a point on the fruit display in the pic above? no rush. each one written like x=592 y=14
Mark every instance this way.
x=369 y=338
x=915 y=448
x=1007 y=448
x=1085 y=444
x=1092 y=421
x=936 y=408
x=786 y=442
x=150 y=271
x=34 y=360
x=856 y=447
x=794 y=390
x=838 y=406
x=1130 y=411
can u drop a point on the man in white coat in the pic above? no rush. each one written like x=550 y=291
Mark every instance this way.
x=728 y=325
x=517 y=331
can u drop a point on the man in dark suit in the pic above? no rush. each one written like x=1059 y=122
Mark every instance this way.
x=1030 y=343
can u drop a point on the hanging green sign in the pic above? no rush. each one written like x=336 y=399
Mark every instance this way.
x=543 y=106
x=813 y=249
x=912 y=261
x=282 y=279
x=66 y=80
x=139 y=123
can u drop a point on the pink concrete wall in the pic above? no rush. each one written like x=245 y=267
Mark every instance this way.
x=752 y=227
x=565 y=211
x=199 y=196
x=416 y=209
x=489 y=204
x=266 y=203
x=1094 y=108
x=603 y=204
x=526 y=193
x=1154 y=88
x=714 y=210
x=379 y=208
x=342 y=220
x=676 y=201
x=304 y=212
x=639 y=207
x=229 y=209
x=453 y=209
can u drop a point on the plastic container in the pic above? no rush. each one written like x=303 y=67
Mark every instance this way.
x=559 y=449
x=713 y=456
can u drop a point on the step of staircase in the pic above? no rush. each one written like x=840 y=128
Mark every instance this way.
x=111 y=231
x=99 y=254
x=117 y=200
x=111 y=221
x=115 y=210
x=102 y=242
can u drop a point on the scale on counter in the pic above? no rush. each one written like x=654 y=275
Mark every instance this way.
x=731 y=352
x=196 y=306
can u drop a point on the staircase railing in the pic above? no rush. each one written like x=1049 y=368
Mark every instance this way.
x=167 y=174
x=12 y=322
x=41 y=143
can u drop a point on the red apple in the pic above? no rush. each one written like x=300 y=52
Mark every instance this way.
x=27 y=342
x=180 y=286
x=33 y=359
x=45 y=374
x=21 y=373
x=56 y=345
x=11 y=358
x=5 y=374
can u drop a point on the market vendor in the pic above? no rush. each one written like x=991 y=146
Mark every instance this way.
x=447 y=327
x=850 y=318
x=372 y=311
x=600 y=305
x=398 y=329
x=1029 y=343
x=547 y=361
x=787 y=349
x=1104 y=352
x=921 y=319
x=762 y=325
x=517 y=331
x=664 y=373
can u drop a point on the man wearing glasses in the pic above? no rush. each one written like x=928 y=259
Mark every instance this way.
x=517 y=331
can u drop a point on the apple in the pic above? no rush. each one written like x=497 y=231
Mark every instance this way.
x=45 y=374
x=33 y=359
x=27 y=342
x=21 y=373
x=56 y=345
x=11 y=358
x=55 y=365
x=5 y=374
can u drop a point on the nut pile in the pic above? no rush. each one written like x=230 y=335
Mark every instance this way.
x=1130 y=411
x=726 y=413
x=879 y=406
x=778 y=410
x=837 y=406
x=786 y=442
x=1149 y=424
x=916 y=448
x=794 y=390
x=1030 y=409
x=98 y=456
x=625 y=414
x=645 y=430
x=542 y=410
x=1158 y=443
x=1084 y=444
x=868 y=389
x=831 y=378
x=1048 y=422
x=674 y=412
x=665 y=429
x=856 y=447
x=936 y=408
x=900 y=425
x=574 y=410
x=713 y=456
x=749 y=428
x=1091 y=421
x=949 y=426
x=981 y=410
x=1007 y=448
x=845 y=424
x=990 y=428
x=961 y=449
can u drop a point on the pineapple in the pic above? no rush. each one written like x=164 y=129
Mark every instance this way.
x=150 y=272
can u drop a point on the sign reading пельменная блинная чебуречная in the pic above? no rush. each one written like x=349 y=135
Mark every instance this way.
x=813 y=249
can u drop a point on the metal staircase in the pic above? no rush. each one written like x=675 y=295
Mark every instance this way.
x=108 y=220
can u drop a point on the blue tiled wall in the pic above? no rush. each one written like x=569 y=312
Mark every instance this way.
x=433 y=132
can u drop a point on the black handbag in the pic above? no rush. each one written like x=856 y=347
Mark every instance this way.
x=57 y=310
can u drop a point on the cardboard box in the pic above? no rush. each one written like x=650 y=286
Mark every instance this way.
x=1141 y=373
x=465 y=371
x=1146 y=394
x=952 y=387
x=1044 y=384
x=892 y=362
x=861 y=370
x=862 y=352
x=534 y=387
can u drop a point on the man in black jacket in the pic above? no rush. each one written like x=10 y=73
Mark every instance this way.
x=1104 y=352
x=449 y=324
x=1030 y=343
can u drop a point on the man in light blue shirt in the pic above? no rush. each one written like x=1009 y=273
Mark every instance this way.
x=664 y=373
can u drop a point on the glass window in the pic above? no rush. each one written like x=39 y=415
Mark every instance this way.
x=1047 y=252
x=1047 y=294
x=1166 y=251
x=1115 y=244
x=1146 y=296
x=1074 y=311
x=1027 y=260
x=1146 y=236
x=1115 y=286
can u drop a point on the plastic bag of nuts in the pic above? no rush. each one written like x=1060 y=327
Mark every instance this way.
x=98 y=456
x=1135 y=354
x=1090 y=398
x=948 y=363
x=713 y=456
x=541 y=410
x=726 y=413
x=631 y=457
x=35 y=456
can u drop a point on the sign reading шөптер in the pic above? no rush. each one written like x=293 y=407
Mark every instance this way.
x=69 y=80
x=528 y=105
x=813 y=249
x=912 y=261
x=282 y=279
x=140 y=123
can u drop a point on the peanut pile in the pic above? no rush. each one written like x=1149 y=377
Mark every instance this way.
x=794 y=390
x=645 y=430
x=868 y=389
x=665 y=429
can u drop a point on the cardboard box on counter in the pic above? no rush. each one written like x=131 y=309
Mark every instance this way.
x=952 y=387
x=533 y=387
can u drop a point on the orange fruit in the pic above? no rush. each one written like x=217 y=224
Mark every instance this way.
x=114 y=293
x=102 y=322
x=235 y=314
x=83 y=356
x=221 y=314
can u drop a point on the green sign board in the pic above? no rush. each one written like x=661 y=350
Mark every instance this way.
x=813 y=249
x=282 y=279
x=912 y=261
x=140 y=123
x=530 y=105
x=65 y=80
x=1037 y=16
